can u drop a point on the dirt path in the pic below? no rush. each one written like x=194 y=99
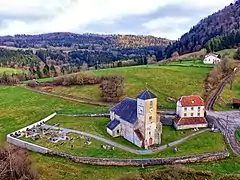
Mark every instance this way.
x=71 y=98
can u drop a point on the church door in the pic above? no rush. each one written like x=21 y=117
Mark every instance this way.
x=150 y=141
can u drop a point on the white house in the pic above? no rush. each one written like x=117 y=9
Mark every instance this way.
x=136 y=120
x=190 y=111
x=211 y=59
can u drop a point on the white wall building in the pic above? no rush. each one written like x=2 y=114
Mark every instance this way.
x=211 y=59
x=136 y=120
x=190 y=111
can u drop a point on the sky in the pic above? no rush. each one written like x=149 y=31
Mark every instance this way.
x=162 y=18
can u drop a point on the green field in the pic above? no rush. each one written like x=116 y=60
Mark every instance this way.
x=190 y=63
x=238 y=135
x=10 y=70
x=227 y=52
x=20 y=107
x=164 y=81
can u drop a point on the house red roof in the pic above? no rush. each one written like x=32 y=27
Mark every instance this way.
x=192 y=101
x=190 y=121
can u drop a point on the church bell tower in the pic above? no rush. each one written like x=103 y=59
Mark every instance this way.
x=147 y=115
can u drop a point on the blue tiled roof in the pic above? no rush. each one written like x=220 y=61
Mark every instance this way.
x=126 y=110
x=146 y=95
x=113 y=124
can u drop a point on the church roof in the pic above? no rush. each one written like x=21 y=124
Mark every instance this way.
x=126 y=110
x=145 y=95
x=113 y=124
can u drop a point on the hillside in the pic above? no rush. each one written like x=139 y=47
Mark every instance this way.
x=92 y=49
x=81 y=41
x=218 y=31
x=16 y=58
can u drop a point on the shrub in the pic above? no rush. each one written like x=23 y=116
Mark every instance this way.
x=15 y=164
x=112 y=88
x=77 y=79
x=32 y=83
x=7 y=79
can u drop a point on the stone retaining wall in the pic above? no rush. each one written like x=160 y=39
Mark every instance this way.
x=27 y=145
x=146 y=162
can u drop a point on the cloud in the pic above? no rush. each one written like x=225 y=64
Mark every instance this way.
x=157 y=17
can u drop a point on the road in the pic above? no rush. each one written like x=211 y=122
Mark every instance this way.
x=228 y=122
x=213 y=98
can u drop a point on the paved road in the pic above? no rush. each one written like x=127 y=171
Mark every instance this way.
x=213 y=98
x=228 y=122
x=140 y=152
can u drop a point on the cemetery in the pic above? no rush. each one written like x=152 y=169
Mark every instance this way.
x=86 y=137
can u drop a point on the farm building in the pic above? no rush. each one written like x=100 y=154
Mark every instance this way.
x=211 y=59
x=136 y=120
x=190 y=112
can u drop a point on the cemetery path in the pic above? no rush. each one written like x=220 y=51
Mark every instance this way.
x=228 y=123
x=140 y=152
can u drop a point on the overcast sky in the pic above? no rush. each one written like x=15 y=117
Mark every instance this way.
x=162 y=18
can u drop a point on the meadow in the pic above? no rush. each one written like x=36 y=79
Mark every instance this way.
x=165 y=81
x=190 y=63
x=20 y=107
x=10 y=70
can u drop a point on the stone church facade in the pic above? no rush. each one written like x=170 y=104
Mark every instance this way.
x=137 y=120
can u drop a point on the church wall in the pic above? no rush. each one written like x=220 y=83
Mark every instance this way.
x=127 y=133
x=137 y=142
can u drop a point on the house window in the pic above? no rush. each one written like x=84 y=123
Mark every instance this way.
x=198 y=114
x=151 y=104
x=192 y=108
x=185 y=114
x=150 y=133
x=199 y=108
x=185 y=108
x=192 y=114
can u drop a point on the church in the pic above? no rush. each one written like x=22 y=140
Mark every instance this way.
x=136 y=120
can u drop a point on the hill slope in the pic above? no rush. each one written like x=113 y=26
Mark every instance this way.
x=81 y=41
x=216 y=32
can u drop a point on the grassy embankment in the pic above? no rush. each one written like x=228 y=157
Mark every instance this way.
x=20 y=107
x=164 y=81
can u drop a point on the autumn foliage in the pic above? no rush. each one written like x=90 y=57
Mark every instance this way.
x=112 y=88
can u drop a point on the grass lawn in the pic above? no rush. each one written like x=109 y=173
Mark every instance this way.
x=189 y=63
x=97 y=126
x=238 y=135
x=227 y=95
x=227 y=52
x=20 y=107
x=164 y=81
x=204 y=143
x=43 y=80
x=10 y=70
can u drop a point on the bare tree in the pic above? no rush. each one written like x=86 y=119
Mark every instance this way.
x=15 y=164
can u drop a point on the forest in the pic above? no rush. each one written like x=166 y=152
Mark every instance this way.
x=215 y=32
